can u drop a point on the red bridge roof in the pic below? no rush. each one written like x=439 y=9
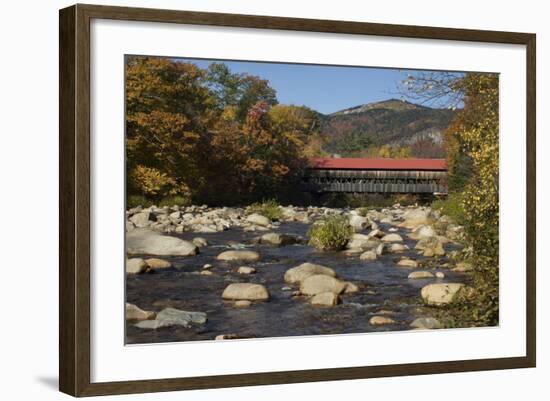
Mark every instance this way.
x=343 y=163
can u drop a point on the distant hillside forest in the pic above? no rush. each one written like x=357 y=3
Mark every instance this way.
x=391 y=128
x=209 y=135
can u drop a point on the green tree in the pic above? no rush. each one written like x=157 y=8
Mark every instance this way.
x=239 y=90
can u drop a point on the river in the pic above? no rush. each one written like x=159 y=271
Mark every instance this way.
x=383 y=287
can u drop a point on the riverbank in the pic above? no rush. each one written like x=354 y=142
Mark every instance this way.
x=247 y=276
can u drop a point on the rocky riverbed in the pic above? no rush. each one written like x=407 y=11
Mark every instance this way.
x=199 y=273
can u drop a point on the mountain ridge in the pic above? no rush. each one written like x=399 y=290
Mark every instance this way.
x=392 y=122
x=390 y=104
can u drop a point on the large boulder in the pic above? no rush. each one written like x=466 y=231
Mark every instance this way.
x=152 y=243
x=142 y=219
x=245 y=291
x=440 y=293
x=248 y=256
x=325 y=299
x=258 y=219
x=303 y=271
x=430 y=246
x=358 y=223
x=362 y=241
x=416 y=217
x=422 y=232
x=173 y=317
x=278 y=239
x=135 y=266
x=135 y=314
x=319 y=283
x=393 y=237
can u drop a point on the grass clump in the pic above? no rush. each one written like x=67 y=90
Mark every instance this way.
x=269 y=208
x=330 y=234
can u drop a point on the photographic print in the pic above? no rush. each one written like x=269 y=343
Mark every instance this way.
x=278 y=199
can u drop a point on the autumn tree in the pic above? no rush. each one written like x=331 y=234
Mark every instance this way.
x=168 y=112
x=472 y=143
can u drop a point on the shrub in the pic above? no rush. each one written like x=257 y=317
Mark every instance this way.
x=451 y=206
x=175 y=200
x=137 y=200
x=268 y=208
x=331 y=233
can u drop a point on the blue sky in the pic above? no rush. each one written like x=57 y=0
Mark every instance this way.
x=326 y=89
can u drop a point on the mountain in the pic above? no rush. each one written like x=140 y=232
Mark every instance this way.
x=390 y=104
x=391 y=122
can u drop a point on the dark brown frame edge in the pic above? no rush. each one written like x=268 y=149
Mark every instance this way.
x=74 y=199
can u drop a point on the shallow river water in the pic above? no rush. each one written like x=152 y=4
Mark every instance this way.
x=383 y=286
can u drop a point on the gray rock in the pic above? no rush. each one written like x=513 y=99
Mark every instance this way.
x=362 y=241
x=152 y=243
x=358 y=223
x=242 y=303
x=230 y=336
x=368 y=255
x=406 y=262
x=426 y=323
x=422 y=231
x=258 y=219
x=155 y=263
x=430 y=246
x=350 y=288
x=142 y=219
x=249 y=256
x=325 y=299
x=246 y=291
x=420 y=275
x=397 y=248
x=440 y=293
x=319 y=283
x=381 y=320
x=200 y=242
x=175 y=215
x=301 y=272
x=135 y=266
x=173 y=317
x=246 y=270
x=278 y=239
x=135 y=314
x=415 y=217
x=393 y=237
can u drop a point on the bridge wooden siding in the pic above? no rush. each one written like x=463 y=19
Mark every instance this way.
x=351 y=175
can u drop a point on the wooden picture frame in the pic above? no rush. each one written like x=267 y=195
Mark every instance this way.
x=74 y=204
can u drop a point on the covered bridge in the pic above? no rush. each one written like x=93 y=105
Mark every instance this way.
x=358 y=175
